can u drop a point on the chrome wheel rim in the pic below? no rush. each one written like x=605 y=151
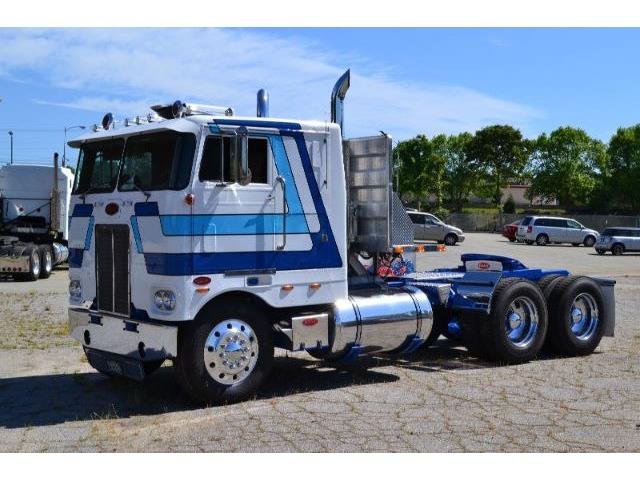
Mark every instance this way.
x=450 y=240
x=584 y=316
x=35 y=263
x=47 y=261
x=542 y=240
x=521 y=322
x=231 y=352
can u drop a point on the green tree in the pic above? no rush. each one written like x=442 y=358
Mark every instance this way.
x=624 y=167
x=459 y=173
x=498 y=153
x=565 y=166
x=421 y=169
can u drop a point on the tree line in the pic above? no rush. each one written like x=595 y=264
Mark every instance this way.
x=582 y=173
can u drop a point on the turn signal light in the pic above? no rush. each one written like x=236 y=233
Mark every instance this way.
x=440 y=248
x=287 y=287
x=420 y=248
x=315 y=285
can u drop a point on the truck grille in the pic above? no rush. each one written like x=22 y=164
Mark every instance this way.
x=112 y=268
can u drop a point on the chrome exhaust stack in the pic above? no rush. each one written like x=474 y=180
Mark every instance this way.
x=337 y=99
x=262 y=104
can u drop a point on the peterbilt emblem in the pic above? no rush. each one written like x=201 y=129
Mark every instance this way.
x=111 y=208
x=484 y=265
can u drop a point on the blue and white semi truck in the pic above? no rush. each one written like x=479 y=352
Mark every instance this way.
x=210 y=239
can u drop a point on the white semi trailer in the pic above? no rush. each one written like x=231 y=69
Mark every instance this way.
x=211 y=239
x=34 y=210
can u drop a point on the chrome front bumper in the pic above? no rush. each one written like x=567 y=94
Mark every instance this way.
x=122 y=336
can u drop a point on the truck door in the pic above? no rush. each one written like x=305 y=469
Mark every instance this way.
x=231 y=218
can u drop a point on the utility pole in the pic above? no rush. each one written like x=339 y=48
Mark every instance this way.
x=11 y=157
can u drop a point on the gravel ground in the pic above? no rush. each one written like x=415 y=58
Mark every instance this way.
x=440 y=399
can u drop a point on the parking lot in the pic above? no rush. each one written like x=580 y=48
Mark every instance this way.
x=438 y=399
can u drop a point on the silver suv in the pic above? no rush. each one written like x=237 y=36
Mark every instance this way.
x=430 y=227
x=618 y=240
x=545 y=230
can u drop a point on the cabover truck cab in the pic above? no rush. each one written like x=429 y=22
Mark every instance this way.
x=210 y=239
x=34 y=209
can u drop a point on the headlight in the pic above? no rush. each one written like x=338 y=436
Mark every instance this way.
x=165 y=300
x=75 y=289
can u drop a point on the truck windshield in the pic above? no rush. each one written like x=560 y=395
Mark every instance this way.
x=98 y=166
x=158 y=161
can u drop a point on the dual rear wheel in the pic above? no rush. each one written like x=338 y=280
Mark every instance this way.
x=563 y=313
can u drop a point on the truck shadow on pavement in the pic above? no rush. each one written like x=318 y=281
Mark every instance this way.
x=42 y=400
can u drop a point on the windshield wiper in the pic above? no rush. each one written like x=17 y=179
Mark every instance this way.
x=134 y=183
x=84 y=194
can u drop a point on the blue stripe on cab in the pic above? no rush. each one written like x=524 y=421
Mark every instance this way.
x=241 y=224
x=82 y=210
x=75 y=257
x=146 y=209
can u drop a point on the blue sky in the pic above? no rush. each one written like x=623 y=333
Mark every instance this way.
x=405 y=81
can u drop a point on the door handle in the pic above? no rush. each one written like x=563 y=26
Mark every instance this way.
x=282 y=183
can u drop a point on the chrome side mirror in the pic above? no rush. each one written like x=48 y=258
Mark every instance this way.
x=241 y=156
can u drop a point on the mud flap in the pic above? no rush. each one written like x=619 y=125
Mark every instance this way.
x=116 y=365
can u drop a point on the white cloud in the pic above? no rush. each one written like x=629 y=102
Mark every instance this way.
x=126 y=70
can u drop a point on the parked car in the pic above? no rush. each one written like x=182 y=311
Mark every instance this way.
x=429 y=227
x=509 y=231
x=618 y=240
x=545 y=230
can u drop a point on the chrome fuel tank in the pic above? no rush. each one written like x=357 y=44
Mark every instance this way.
x=378 y=321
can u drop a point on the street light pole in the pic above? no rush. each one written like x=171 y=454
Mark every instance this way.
x=64 y=147
x=11 y=157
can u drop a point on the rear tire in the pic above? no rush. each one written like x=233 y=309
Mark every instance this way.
x=577 y=316
x=46 y=261
x=225 y=354
x=617 y=249
x=542 y=239
x=515 y=329
x=34 y=267
x=450 y=239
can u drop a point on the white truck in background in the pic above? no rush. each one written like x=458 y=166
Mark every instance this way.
x=34 y=225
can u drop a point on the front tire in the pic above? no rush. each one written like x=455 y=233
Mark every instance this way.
x=226 y=354
x=576 y=317
x=589 y=241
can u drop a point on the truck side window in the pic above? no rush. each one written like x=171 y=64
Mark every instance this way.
x=216 y=148
x=258 y=159
x=211 y=169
